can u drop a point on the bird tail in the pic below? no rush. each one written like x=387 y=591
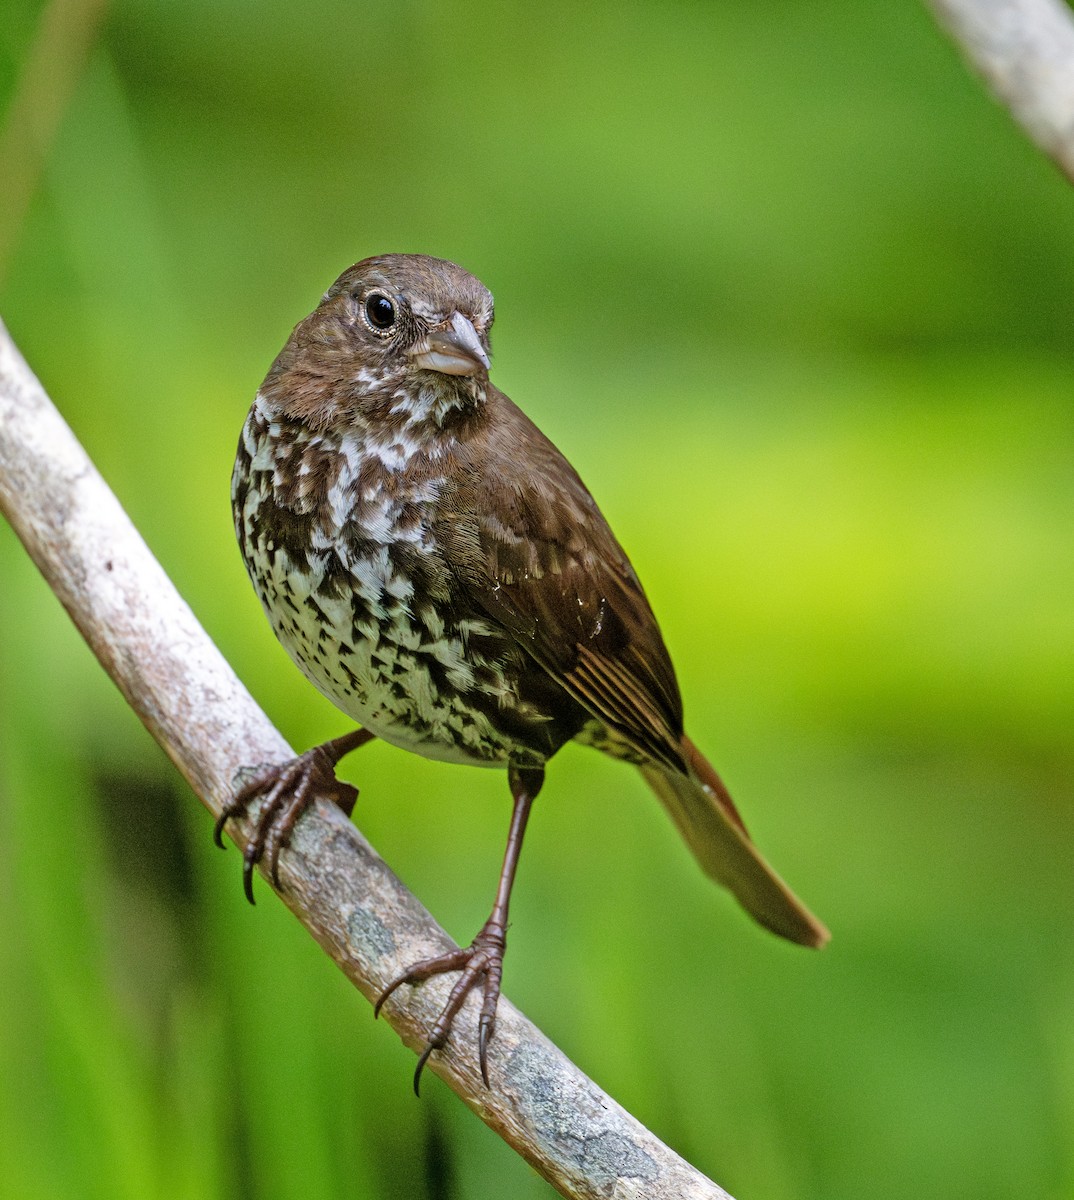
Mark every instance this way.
x=704 y=814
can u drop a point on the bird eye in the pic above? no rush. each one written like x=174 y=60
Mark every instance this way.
x=379 y=312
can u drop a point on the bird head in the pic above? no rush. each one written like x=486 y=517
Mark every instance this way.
x=396 y=336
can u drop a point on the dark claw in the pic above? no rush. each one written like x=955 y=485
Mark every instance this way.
x=484 y=1033
x=454 y=960
x=423 y=1058
x=218 y=828
x=249 y=861
x=288 y=790
x=399 y=979
x=481 y=961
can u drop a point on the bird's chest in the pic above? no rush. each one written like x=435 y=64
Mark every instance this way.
x=340 y=543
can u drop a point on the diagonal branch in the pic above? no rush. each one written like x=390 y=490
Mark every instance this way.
x=175 y=679
x=1025 y=51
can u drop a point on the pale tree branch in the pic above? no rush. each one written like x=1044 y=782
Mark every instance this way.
x=175 y=679
x=1025 y=51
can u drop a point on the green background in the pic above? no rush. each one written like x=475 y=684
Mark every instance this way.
x=794 y=295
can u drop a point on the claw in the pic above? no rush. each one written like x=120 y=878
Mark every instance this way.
x=481 y=962
x=218 y=827
x=484 y=1033
x=423 y=1058
x=249 y=861
x=399 y=979
x=288 y=790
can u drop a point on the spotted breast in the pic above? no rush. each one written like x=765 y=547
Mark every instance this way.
x=338 y=532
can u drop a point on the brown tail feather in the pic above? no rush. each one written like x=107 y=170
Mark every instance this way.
x=702 y=810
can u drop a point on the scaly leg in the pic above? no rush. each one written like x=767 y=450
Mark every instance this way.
x=483 y=958
x=289 y=789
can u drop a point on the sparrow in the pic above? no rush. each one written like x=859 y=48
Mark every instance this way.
x=436 y=568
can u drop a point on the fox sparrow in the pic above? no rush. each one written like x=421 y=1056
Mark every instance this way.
x=436 y=568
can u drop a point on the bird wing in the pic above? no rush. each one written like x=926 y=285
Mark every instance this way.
x=532 y=552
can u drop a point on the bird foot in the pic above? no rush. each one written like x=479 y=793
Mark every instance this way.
x=481 y=961
x=289 y=789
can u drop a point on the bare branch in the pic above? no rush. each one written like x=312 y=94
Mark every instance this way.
x=148 y=640
x=1025 y=51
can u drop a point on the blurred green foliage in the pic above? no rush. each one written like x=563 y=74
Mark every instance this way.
x=795 y=297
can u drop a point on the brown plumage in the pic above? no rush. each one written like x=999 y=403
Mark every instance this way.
x=436 y=567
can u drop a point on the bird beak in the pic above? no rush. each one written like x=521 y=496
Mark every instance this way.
x=453 y=349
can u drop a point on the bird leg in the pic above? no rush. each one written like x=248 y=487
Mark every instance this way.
x=289 y=789
x=482 y=960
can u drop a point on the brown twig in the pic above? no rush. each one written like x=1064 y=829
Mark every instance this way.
x=172 y=675
x=1025 y=51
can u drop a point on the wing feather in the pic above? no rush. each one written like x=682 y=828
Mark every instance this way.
x=533 y=553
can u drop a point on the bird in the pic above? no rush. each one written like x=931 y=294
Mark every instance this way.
x=436 y=568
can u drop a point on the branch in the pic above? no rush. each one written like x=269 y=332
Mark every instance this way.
x=175 y=679
x=1025 y=51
